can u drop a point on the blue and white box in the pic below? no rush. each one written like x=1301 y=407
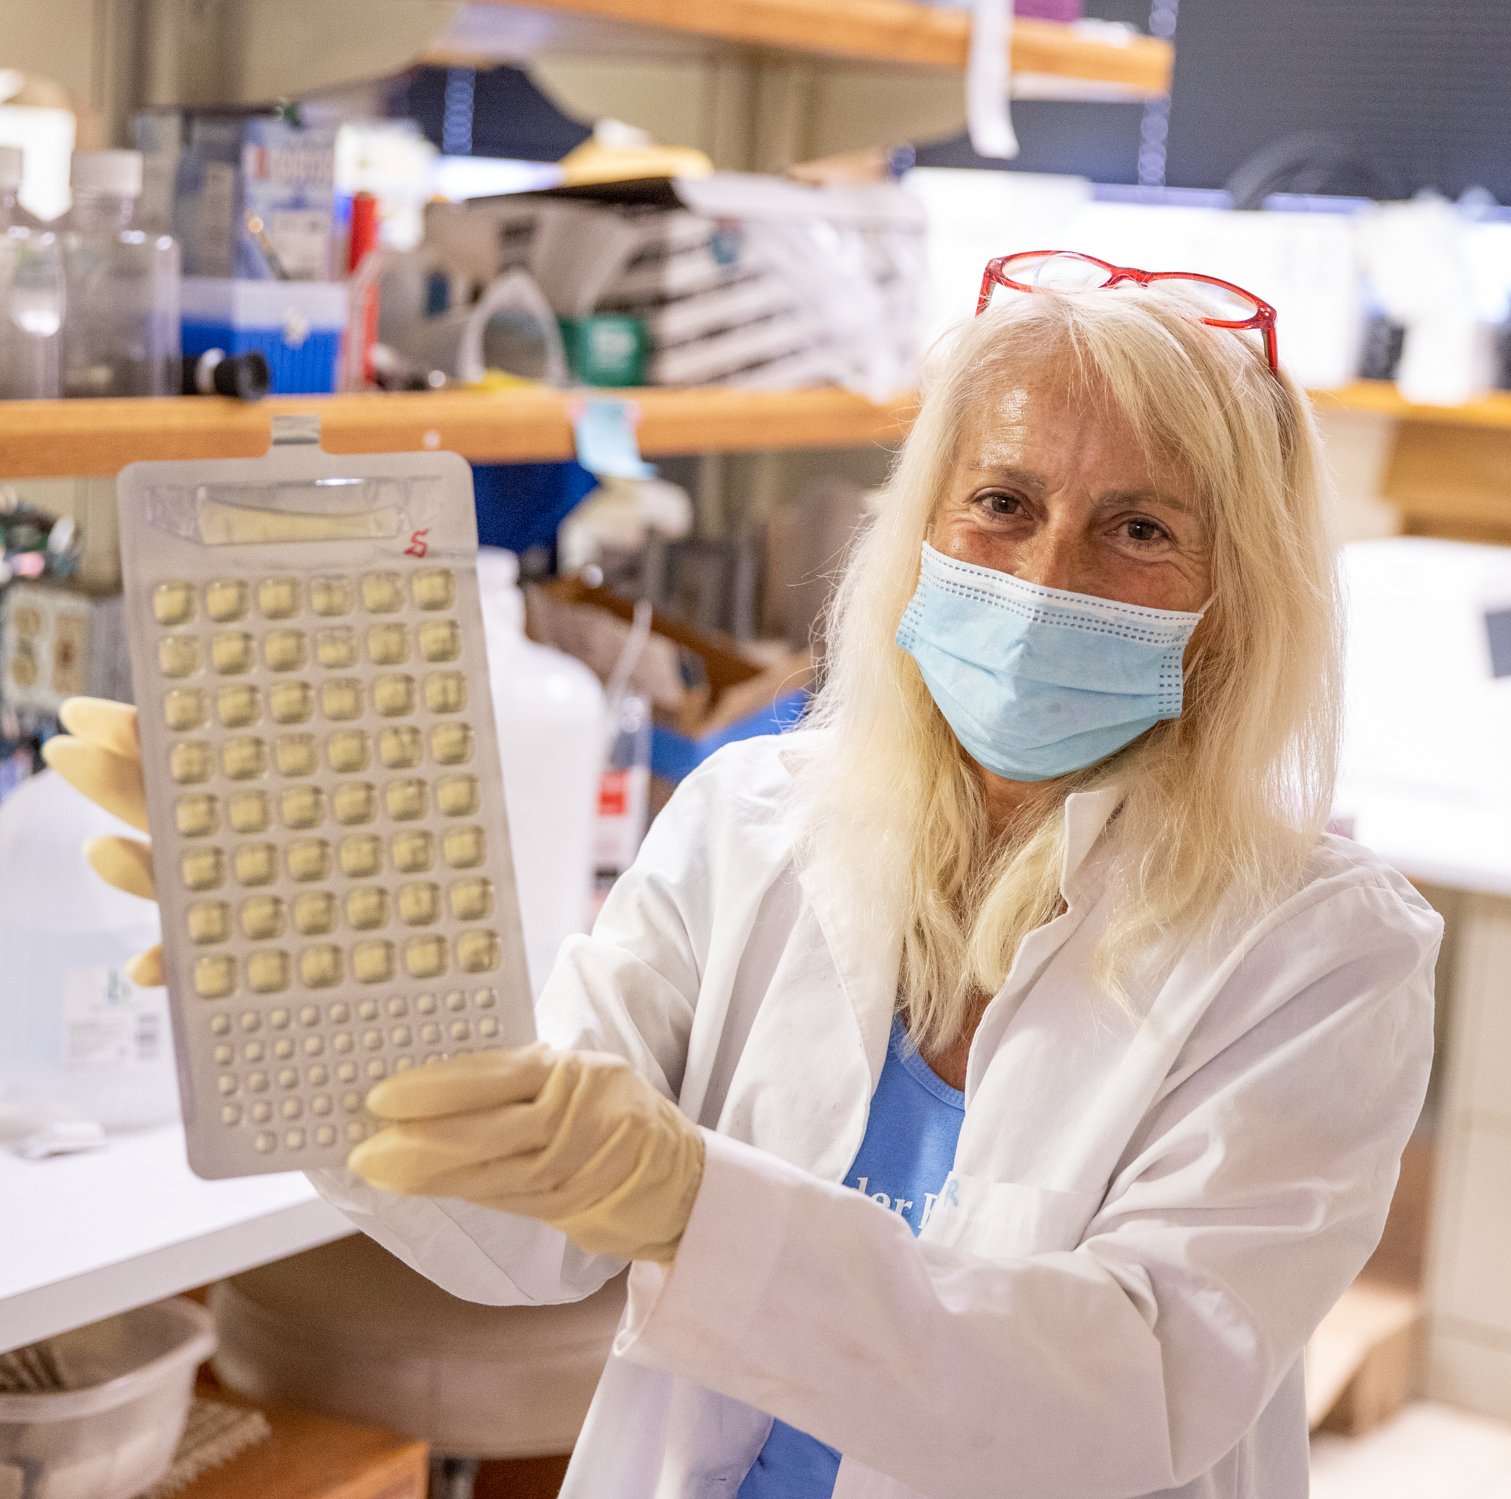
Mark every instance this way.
x=296 y=325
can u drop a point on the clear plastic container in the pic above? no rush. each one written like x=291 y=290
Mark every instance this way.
x=113 y=1433
x=31 y=294
x=121 y=333
x=78 y=1040
x=12 y=161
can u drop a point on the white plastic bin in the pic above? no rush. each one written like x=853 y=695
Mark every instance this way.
x=114 y=1433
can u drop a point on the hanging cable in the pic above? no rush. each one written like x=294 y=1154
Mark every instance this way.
x=457 y=111
x=1154 y=129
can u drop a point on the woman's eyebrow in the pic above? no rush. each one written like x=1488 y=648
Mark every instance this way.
x=1113 y=497
x=1025 y=478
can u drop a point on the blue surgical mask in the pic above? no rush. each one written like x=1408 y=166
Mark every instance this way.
x=1037 y=682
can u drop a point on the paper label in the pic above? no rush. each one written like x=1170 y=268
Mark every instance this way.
x=109 y=1025
x=623 y=796
x=215 y=216
x=606 y=441
x=987 y=76
x=303 y=240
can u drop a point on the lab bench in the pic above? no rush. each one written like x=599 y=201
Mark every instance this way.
x=85 y=1236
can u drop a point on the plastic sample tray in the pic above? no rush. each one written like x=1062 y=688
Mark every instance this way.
x=329 y=835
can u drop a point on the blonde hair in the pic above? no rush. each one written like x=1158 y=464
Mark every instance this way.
x=1231 y=794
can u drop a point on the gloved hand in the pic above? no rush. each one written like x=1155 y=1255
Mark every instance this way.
x=577 y=1139
x=101 y=755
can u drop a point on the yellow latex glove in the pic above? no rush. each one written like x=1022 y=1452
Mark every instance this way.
x=577 y=1139
x=101 y=755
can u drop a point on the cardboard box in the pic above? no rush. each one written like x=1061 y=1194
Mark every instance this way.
x=705 y=691
x=308 y=1456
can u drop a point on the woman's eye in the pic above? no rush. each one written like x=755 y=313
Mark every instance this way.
x=997 y=503
x=1146 y=531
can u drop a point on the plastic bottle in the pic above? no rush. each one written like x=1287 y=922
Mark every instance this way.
x=121 y=335
x=31 y=294
x=551 y=730
x=77 y=1039
x=624 y=794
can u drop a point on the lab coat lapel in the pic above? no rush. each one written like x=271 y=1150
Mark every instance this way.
x=864 y=952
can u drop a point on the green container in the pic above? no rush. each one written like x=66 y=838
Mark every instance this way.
x=606 y=348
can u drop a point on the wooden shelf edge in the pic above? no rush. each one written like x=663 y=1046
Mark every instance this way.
x=898 y=32
x=84 y=439
x=81 y=439
x=1381 y=398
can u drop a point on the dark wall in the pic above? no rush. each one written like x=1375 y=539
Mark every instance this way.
x=498 y=112
x=1419 y=89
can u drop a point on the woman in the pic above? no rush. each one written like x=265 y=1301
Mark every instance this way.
x=996 y=1081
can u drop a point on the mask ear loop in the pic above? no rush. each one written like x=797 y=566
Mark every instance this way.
x=1186 y=666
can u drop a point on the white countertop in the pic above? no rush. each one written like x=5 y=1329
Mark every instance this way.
x=85 y=1236
x=1438 y=837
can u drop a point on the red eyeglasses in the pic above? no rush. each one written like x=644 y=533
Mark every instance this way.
x=1068 y=270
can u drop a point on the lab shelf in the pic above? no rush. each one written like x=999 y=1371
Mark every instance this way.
x=1381 y=398
x=80 y=439
x=87 y=1236
x=1069 y=61
x=56 y=439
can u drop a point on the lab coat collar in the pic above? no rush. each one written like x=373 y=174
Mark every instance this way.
x=1087 y=814
x=866 y=953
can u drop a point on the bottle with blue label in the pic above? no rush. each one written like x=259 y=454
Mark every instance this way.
x=121 y=332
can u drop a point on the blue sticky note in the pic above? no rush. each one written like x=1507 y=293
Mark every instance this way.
x=606 y=445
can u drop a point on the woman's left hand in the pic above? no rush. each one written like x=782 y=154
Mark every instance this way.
x=577 y=1139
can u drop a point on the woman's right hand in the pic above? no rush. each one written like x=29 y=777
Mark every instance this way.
x=100 y=754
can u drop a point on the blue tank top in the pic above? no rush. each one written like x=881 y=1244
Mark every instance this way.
x=902 y=1163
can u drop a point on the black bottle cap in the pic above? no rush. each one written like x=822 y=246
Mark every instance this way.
x=246 y=377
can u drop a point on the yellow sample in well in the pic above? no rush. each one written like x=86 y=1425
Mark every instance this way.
x=238 y=705
x=226 y=599
x=248 y=811
x=347 y=750
x=173 y=603
x=255 y=863
x=232 y=652
x=278 y=598
x=361 y=855
x=296 y=754
x=262 y=917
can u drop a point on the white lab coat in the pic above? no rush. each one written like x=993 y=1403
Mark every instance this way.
x=1143 y=1226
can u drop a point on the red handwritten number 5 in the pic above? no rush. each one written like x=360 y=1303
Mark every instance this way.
x=418 y=545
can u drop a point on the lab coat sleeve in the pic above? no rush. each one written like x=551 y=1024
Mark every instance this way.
x=627 y=988
x=1128 y=1362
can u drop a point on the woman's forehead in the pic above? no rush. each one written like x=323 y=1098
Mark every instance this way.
x=1046 y=428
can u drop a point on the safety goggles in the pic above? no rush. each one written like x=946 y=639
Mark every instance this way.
x=1225 y=305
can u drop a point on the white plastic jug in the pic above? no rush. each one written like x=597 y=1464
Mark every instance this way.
x=78 y=1040
x=552 y=736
